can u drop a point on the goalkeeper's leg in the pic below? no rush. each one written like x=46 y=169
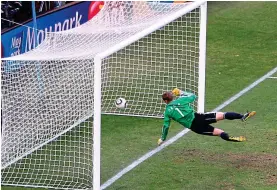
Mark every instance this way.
x=225 y=136
x=211 y=131
x=201 y=125
x=233 y=115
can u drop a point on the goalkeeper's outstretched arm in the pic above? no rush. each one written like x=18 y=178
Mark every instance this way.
x=165 y=129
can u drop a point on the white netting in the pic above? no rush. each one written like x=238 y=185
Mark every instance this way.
x=47 y=93
x=46 y=133
x=141 y=72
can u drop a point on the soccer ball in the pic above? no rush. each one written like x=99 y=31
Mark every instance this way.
x=121 y=103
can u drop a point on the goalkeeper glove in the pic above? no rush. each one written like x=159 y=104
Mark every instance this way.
x=176 y=91
x=160 y=141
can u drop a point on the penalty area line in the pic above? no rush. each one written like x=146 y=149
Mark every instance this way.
x=183 y=132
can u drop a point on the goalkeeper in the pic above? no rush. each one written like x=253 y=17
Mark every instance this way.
x=180 y=110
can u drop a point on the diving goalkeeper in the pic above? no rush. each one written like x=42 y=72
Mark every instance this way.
x=180 y=111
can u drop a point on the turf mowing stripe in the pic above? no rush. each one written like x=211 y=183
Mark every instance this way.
x=182 y=133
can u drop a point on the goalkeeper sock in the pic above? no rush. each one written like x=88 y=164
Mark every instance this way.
x=224 y=136
x=232 y=115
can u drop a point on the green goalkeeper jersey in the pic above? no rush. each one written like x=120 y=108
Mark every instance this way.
x=180 y=111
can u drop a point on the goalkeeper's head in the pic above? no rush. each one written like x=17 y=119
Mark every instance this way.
x=167 y=97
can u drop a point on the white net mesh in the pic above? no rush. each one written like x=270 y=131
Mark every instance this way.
x=46 y=133
x=47 y=93
x=141 y=72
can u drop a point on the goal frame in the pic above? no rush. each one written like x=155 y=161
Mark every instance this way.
x=97 y=75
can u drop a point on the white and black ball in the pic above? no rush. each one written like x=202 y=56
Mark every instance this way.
x=121 y=103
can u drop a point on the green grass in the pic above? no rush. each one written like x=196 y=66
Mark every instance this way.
x=241 y=48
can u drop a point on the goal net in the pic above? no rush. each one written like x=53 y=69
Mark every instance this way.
x=51 y=95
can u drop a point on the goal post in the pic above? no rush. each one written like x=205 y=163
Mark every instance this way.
x=202 y=58
x=51 y=136
x=97 y=123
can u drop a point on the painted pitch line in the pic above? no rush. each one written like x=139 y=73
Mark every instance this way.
x=272 y=77
x=182 y=133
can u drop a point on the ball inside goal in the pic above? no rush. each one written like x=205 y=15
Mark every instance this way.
x=121 y=103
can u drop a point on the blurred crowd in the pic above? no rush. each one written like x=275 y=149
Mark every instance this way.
x=21 y=11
